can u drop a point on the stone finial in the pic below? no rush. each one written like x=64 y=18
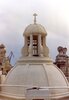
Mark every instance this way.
x=34 y=17
x=64 y=50
x=2 y=46
x=60 y=49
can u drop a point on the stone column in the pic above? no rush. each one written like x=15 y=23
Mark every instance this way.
x=40 y=47
x=45 y=48
x=31 y=46
x=25 y=48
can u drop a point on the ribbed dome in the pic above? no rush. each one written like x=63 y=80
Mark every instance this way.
x=34 y=28
x=30 y=75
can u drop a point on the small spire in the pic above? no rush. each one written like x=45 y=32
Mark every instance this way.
x=34 y=17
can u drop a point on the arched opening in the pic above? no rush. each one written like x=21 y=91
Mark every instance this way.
x=28 y=40
x=35 y=45
x=42 y=40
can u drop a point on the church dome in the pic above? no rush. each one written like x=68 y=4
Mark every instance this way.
x=27 y=75
x=35 y=28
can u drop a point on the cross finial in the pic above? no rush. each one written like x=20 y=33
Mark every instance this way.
x=34 y=17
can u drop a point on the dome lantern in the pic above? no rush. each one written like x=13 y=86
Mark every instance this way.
x=35 y=44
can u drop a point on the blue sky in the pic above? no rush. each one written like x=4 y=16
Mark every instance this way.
x=15 y=15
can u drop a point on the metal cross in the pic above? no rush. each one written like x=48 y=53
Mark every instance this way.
x=34 y=17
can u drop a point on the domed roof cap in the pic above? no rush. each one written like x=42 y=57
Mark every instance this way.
x=35 y=28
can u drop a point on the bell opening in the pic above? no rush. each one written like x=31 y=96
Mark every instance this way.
x=35 y=45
